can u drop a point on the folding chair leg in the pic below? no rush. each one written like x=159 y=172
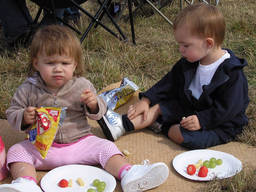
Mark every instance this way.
x=33 y=25
x=95 y=19
x=130 y=17
x=38 y=15
x=102 y=14
x=159 y=12
x=112 y=20
x=131 y=21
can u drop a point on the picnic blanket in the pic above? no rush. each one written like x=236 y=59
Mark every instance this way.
x=147 y=145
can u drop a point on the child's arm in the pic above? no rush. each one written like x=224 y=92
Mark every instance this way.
x=94 y=106
x=141 y=107
x=165 y=89
x=20 y=101
x=90 y=100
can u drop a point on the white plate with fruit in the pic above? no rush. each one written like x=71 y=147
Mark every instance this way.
x=205 y=165
x=78 y=178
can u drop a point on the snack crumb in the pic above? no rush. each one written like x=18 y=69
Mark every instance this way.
x=126 y=152
x=80 y=181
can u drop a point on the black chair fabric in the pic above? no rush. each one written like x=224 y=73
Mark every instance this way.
x=50 y=5
x=58 y=4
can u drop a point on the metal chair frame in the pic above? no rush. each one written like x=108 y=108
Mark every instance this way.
x=188 y=2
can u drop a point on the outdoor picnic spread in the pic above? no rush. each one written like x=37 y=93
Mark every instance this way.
x=140 y=145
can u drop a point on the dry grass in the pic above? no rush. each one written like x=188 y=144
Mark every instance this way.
x=244 y=181
x=108 y=60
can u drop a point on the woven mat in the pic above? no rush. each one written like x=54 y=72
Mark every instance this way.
x=147 y=145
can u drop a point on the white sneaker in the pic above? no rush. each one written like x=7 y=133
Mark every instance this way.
x=112 y=125
x=144 y=177
x=20 y=185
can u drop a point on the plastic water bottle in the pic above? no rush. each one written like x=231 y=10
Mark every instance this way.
x=3 y=169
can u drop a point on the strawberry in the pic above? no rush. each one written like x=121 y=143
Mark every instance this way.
x=203 y=171
x=191 y=169
x=63 y=183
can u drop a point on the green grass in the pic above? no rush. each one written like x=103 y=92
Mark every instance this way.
x=108 y=60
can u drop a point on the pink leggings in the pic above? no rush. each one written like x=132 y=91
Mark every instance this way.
x=91 y=150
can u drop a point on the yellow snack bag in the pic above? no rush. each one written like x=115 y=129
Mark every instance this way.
x=43 y=132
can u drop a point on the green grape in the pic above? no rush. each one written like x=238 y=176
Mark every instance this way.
x=102 y=183
x=96 y=182
x=101 y=187
x=206 y=163
x=213 y=159
x=219 y=161
x=91 y=190
x=212 y=164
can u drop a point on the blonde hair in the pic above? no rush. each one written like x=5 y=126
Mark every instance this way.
x=56 y=39
x=203 y=20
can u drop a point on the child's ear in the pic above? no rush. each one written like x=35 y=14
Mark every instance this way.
x=210 y=42
x=34 y=63
x=75 y=66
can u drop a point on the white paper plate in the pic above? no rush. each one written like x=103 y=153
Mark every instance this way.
x=49 y=182
x=230 y=166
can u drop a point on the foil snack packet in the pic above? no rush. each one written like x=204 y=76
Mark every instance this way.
x=43 y=132
x=119 y=96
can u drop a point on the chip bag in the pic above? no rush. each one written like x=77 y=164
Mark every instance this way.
x=44 y=130
x=119 y=96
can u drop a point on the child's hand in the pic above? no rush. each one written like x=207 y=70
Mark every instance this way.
x=142 y=107
x=190 y=123
x=29 y=116
x=90 y=100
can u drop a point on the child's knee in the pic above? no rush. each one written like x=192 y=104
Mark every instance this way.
x=175 y=134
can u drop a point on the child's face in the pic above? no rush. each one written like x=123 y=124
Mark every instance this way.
x=55 y=70
x=191 y=47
